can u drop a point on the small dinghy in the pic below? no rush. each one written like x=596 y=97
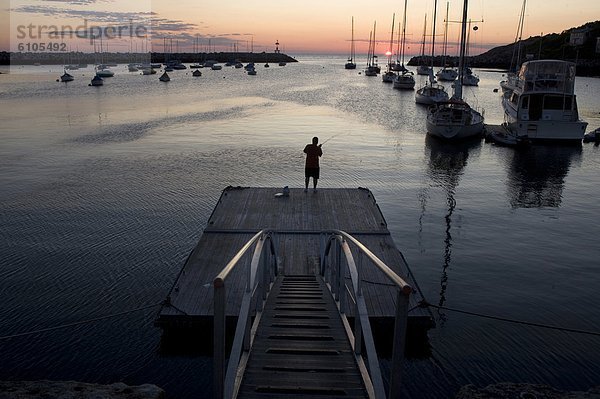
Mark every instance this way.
x=164 y=77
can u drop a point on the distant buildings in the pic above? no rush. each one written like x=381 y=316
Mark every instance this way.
x=579 y=36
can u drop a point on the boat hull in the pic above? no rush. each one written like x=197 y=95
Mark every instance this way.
x=423 y=70
x=430 y=95
x=452 y=122
x=404 y=83
x=551 y=130
x=449 y=75
x=388 y=77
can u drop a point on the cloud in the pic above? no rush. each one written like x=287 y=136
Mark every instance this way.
x=77 y=2
x=92 y=15
x=186 y=33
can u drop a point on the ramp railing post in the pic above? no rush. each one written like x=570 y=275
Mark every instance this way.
x=400 y=325
x=219 y=339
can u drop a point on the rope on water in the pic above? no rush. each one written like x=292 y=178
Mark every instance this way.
x=425 y=304
x=77 y=323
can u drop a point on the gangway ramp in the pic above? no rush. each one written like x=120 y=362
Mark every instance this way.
x=301 y=348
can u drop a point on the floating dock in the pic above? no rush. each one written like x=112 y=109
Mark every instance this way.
x=299 y=221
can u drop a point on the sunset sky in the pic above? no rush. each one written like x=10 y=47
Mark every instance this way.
x=309 y=26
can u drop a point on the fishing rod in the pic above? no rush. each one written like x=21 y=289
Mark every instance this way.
x=335 y=135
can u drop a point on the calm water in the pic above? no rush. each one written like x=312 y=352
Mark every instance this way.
x=106 y=190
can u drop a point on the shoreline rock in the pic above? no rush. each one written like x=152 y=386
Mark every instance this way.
x=508 y=390
x=76 y=390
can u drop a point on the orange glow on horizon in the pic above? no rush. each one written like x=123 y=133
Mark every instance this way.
x=259 y=24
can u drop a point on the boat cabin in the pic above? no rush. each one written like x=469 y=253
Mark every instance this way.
x=547 y=76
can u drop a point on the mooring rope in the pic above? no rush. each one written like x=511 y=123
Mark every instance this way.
x=425 y=304
x=77 y=323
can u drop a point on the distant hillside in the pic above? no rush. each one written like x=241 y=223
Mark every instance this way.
x=48 y=58
x=551 y=46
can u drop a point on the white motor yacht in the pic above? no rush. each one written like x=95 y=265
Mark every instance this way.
x=540 y=103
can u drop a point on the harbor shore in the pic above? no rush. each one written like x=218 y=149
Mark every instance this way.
x=42 y=58
x=76 y=390
x=82 y=390
x=506 y=390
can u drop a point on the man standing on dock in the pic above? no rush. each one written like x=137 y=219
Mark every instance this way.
x=313 y=152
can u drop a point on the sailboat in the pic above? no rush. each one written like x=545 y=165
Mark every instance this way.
x=97 y=81
x=432 y=92
x=102 y=70
x=405 y=79
x=455 y=119
x=469 y=78
x=164 y=77
x=372 y=67
x=423 y=69
x=508 y=85
x=351 y=64
x=66 y=77
x=389 y=75
x=446 y=73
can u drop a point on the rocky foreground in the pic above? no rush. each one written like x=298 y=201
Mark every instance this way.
x=507 y=390
x=76 y=390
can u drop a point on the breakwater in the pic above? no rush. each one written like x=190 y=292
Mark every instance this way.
x=48 y=58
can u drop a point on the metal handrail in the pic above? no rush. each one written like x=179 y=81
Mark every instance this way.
x=362 y=329
x=261 y=271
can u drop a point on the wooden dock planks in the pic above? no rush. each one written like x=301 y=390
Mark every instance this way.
x=301 y=348
x=299 y=219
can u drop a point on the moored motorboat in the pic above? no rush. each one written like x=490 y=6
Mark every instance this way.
x=593 y=136
x=148 y=71
x=541 y=103
x=105 y=73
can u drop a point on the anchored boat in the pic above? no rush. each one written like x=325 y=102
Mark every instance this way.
x=540 y=103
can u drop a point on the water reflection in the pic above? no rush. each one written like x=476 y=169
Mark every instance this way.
x=445 y=168
x=536 y=175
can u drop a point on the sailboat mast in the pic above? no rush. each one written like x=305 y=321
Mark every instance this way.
x=433 y=32
x=445 y=51
x=374 y=27
x=369 y=51
x=391 y=41
x=352 y=44
x=423 y=41
x=398 y=45
x=463 y=47
x=520 y=35
x=404 y=31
